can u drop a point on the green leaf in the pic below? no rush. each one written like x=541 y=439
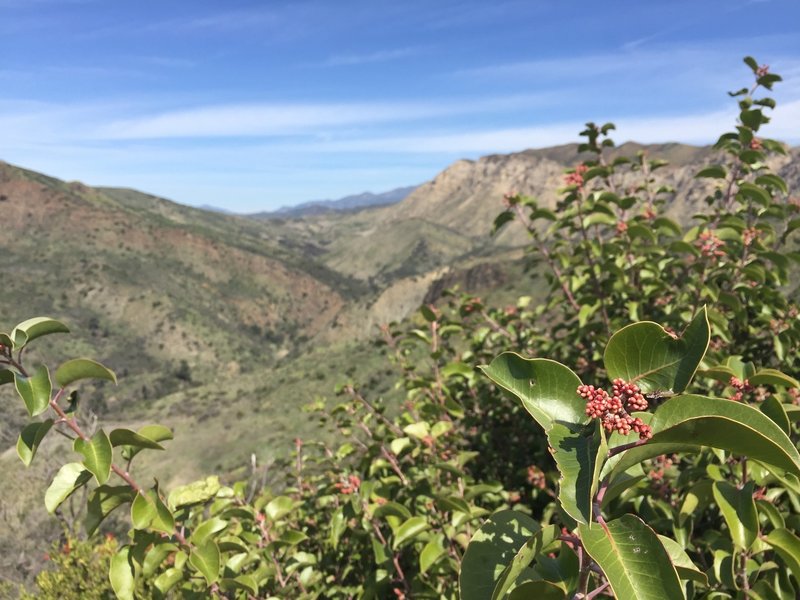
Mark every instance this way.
x=683 y=564
x=194 y=493
x=774 y=377
x=491 y=550
x=30 y=438
x=205 y=558
x=279 y=507
x=688 y=422
x=548 y=390
x=97 y=455
x=534 y=546
x=579 y=457
x=739 y=511
x=82 y=368
x=431 y=553
x=102 y=501
x=148 y=511
x=126 y=437
x=787 y=545
x=540 y=590
x=714 y=171
x=409 y=530
x=756 y=193
x=121 y=574
x=34 y=390
x=69 y=478
x=633 y=559
x=29 y=330
x=645 y=354
x=751 y=62
x=773 y=408
x=208 y=528
x=142 y=511
x=776 y=181
x=6 y=376
x=156 y=556
x=168 y=580
x=154 y=433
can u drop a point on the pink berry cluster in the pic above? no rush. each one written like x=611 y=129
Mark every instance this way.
x=710 y=245
x=612 y=409
x=576 y=177
x=741 y=387
x=749 y=235
x=762 y=70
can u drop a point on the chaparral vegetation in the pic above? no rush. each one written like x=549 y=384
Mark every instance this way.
x=630 y=434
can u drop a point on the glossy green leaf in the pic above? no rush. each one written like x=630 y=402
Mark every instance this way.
x=633 y=559
x=279 y=507
x=156 y=556
x=774 y=377
x=30 y=438
x=684 y=566
x=491 y=550
x=537 y=590
x=409 y=530
x=579 y=457
x=534 y=546
x=773 y=408
x=547 y=389
x=154 y=433
x=122 y=575
x=205 y=558
x=6 y=376
x=168 y=580
x=739 y=511
x=82 y=368
x=194 y=493
x=69 y=478
x=126 y=437
x=787 y=545
x=148 y=511
x=431 y=553
x=34 y=390
x=690 y=421
x=97 y=455
x=714 y=171
x=208 y=528
x=29 y=330
x=645 y=354
x=102 y=501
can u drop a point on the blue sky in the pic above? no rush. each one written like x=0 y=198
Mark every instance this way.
x=254 y=105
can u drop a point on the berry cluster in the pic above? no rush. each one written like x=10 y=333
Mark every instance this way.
x=741 y=387
x=350 y=486
x=576 y=177
x=749 y=235
x=710 y=245
x=612 y=410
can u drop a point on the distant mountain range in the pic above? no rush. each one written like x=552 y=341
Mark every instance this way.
x=348 y=203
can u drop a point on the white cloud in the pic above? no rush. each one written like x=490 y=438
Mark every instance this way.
x=258 y=120
x=341 y=60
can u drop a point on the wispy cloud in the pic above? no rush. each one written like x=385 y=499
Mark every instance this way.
x=340 y=60
x=253 y=120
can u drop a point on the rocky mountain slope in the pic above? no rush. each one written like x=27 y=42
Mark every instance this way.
x=223 y=326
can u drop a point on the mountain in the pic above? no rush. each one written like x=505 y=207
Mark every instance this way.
x=348 y=203
x=223 y=326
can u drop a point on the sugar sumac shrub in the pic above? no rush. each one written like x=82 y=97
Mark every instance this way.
x=674 y=438
x=661 y=463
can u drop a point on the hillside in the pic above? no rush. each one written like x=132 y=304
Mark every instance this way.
x=224 y=326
